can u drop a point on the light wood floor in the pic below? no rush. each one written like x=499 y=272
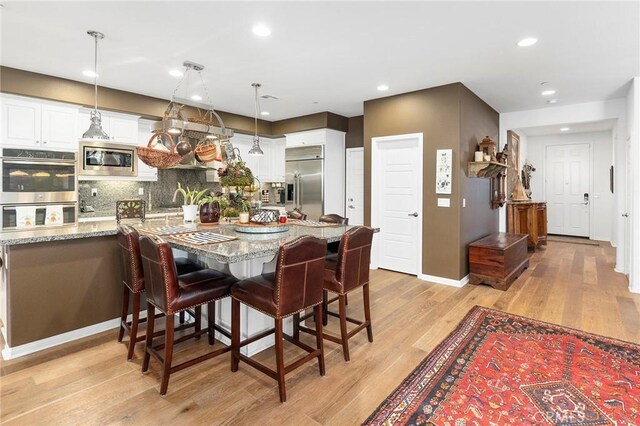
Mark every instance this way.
x=90 y=382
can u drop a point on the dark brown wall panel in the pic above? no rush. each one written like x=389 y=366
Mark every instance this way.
x=477 y=219
x=60 y=286
x=355 y=136
x=435 y=113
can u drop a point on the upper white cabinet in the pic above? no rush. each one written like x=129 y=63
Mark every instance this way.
x=121 y=128
x=277 y=160
x=28 y=123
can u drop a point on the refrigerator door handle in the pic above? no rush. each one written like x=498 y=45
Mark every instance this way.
x=300 y=191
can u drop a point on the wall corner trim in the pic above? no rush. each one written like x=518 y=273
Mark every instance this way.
x=445 y=281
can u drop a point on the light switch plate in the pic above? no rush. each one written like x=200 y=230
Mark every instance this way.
x=140 y=191
x=444 y=202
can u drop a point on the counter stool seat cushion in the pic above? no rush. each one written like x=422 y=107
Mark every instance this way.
x=200 y=287
x=259 y=292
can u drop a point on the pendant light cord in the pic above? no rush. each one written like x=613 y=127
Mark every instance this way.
x=95 y=73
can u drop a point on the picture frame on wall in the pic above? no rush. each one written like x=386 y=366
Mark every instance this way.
x=444 y=172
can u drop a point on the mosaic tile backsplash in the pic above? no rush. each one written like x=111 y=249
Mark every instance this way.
x=157 y=194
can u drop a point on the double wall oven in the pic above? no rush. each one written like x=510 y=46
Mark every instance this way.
x=38 y=179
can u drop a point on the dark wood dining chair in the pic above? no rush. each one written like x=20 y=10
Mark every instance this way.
x=133 y=284
x=171 y=293
x=296 y=285
x=349 y=272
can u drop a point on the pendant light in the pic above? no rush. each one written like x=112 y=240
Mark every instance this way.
x=255 y=148
x=95 y=128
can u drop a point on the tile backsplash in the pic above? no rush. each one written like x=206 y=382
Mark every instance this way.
x=160 y=193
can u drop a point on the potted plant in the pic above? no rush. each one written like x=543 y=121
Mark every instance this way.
x=211 y=207
x=230 y=212
x=244 y=214
x=190 y=199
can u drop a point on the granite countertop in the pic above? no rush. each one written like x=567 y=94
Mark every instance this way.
x=245 y=247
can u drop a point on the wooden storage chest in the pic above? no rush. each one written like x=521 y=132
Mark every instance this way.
x=498 y=259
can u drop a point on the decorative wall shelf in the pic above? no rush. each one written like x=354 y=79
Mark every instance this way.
x=486 y=169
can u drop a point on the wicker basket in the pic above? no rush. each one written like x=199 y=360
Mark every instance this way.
x=156 y=158
x=206 y=151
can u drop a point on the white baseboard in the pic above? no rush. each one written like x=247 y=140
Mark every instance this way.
x=49 y=342
x=445 y=281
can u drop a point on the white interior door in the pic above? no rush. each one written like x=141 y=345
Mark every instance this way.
x=567 y=189
x=355 y=186
x=397 y=201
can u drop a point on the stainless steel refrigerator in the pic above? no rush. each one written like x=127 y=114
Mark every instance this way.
x=305 y=180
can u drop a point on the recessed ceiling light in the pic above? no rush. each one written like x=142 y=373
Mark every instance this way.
x=552 y=101
x=261 y=30
x=264 y=113
x=564 y=129
x=196 y=97
x=175 y=73
x=548 y=92
x=89 y=73
x=526 y=42
x=383 y=87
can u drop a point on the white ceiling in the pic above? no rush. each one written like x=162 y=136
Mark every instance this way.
x=330 y=56
x=585 y=127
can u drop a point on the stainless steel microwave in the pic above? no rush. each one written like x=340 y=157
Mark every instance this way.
x=107 y=159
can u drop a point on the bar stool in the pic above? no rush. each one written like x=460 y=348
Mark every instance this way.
x=171 y=294
x=350 y=271
x=133 y=280
x=295 y=286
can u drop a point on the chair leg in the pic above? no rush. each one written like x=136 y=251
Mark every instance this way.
x=135 y=320
x=296 y=326
x=367 y=311
x=181 y=315
x=125 y=311
x=346 y=299
x=151 y=316
x=235 y=334
x=198 y=321
x=343 y=326
x=168 y=352
x=319 y=340
x=280 y=360
x=211 y=320
x=325 y=306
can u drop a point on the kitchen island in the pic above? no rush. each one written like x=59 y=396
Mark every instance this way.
x=61 y=284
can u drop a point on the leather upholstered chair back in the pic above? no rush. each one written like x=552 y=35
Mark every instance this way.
x=354 y=257
x=132 y=275
x=160 y=272
x=300 y=274
x=334 y=218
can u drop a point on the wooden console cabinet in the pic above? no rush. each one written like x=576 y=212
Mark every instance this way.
x=528 y=217
x=498 y=259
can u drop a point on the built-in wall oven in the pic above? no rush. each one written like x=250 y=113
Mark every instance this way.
x=37 y=179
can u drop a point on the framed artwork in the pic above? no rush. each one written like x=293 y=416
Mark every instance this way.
x=513 y=161
x=443 y=171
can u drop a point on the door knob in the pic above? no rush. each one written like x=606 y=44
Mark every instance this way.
x=415 y=214
x=625 y=215
x=351 y=207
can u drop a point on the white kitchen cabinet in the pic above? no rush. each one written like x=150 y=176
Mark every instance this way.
x=29 y=123
x=277 y=160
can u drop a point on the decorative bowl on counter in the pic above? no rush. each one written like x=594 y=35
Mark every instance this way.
x=261 y=228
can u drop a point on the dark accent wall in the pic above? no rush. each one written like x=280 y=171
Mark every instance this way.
x=42 y=86
x=355 y=135
x=477 y=219
x=444 y=115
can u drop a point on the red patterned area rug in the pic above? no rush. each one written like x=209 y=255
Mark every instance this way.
x=501 y=369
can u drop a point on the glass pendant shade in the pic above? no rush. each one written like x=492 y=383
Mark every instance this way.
x=95 y=128
x=255 y=148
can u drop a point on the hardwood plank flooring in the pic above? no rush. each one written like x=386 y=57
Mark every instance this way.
x=90 y=381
